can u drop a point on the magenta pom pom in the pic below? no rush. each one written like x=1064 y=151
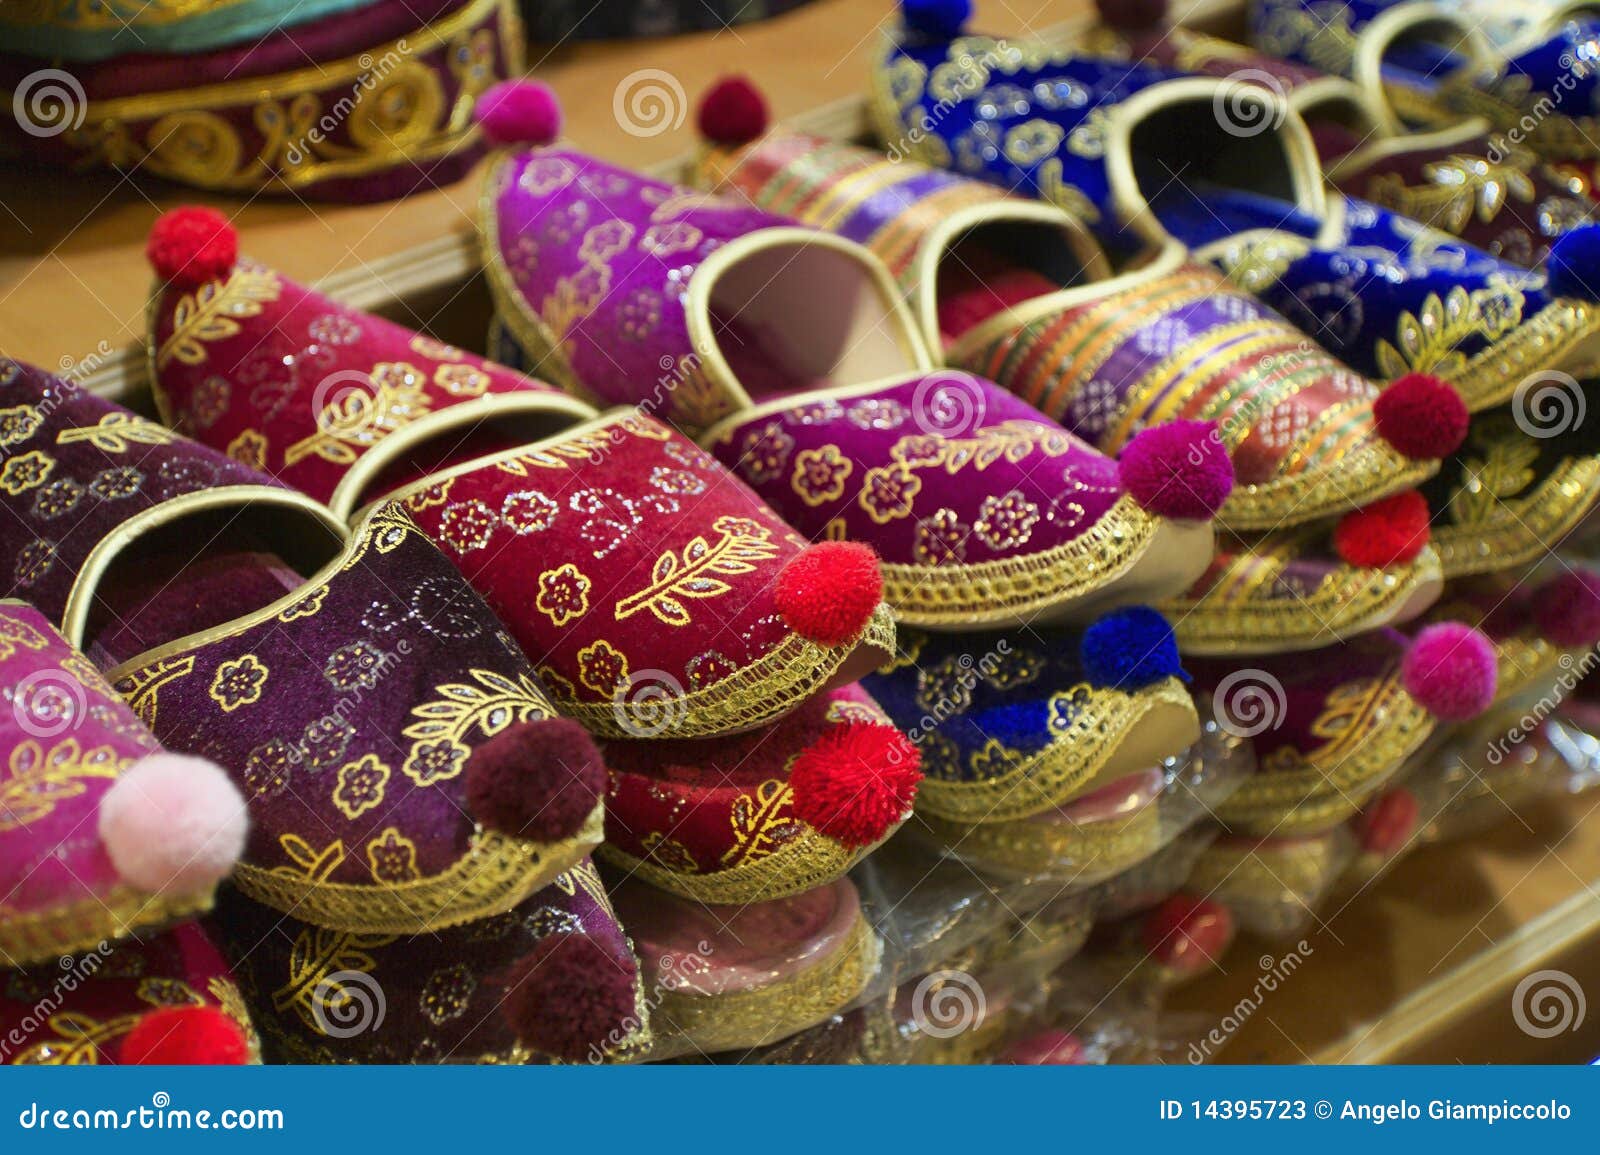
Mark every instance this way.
x=1567 y=609
x=1180 y=469
x=1451 y=671
x=173 y=824
x=519 y=112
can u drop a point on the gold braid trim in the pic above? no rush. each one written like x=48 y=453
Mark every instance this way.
x=496 y=873
x=1051 y=776
x=1030 y=847
x=1366 y=473
x=793 y=672
x=1545 y=342
x=1298 y=873
x=1521 y=530
x=753 y=1018
x=26 y=939
x=1350 y=601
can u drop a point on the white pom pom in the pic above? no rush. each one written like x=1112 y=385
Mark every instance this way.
x=173 y=824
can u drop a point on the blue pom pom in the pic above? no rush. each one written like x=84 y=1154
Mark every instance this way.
x=1130 y=648
x=936 y=19
x=1574 y=264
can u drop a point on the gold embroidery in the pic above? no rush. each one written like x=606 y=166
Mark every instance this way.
x=356 y=420
x=317 y=954
x=117 y=433
x=362 y=785
x=439 y=750
x=16 y=634
x=1458 y=188
x=601 y=667
x=141 y=687
x=210 y=312
x=393 y=857
x=40 y=779
x=693 y=574
x=762 y=822
x=238 y=682
x=563 y=594
x=249 y=448
x=26 y=471
x=820 y=474
x=1426 y=343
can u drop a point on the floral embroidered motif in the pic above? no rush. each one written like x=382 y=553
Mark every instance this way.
x=59 y=497
x=15 y=635
x=336 y=329
x=210 y=313
x=888 y=492
x=26 y=471
x=820 y=474
x=324 y=742
x=762 y=823
x=941 y=539
x=355 y=419
x=357 y=665
x=249 y=448
x=639 y=315
x=765 y=453
x=563 y=594
x=209 y=401
x=39 y=779
x=33 y=562
x=393 y=857
x=694 y=574
x=461 y=380
x=488 y=705
x=601 y=667
x=1006 y=522
x=447 y=993
x=528 y=511
x=268 y=767
x=994 y=760
x=467 y=525
x=306 y=607
x=116 y=483
x=361 y=786
x=238 y=683
x=18 y=423
x=431 y=762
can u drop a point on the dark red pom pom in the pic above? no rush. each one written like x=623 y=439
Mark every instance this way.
x=732 y=112
x=192 y=245
x=856 y=782
x=828 y=593
x=519 y=112
x=1422 y=417
x=1388 y=821
x=570 y=997
x=536 y=780
x=1388 y=532
x=1567 y=609
x=186 y=1037
x=1132 y=15
x=1188 y=933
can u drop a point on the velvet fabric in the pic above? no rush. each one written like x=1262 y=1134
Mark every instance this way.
x=347 y=712
x=326 y=997
x=1011 y=726
x=71 y=30
x=304 y=388
x=77 y=467
x=387 y=105
x=77 y=1010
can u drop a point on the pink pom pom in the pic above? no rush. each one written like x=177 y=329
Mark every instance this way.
x=1451 y=671
x=1180 y=469
x=1567 y=609
x=732 y=112
x=519 y=112
x=173 y=824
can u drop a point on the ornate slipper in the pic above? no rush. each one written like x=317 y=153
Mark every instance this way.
x=1331 y=727
x=1010 y=729
x=1021 y=293
x=102 y=835
x=553 y=979
x=366 y=102
x=403 y=767
x=334 y=401
x=732 y=977
x=648 y=294
x=656 y=546
x=169 y=1000
x=761 y=815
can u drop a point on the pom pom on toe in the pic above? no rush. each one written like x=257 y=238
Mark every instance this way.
x=936 y=19
x=1132 y=15
x=732 y=112
x=1574 y=264
x=1422 y=417
x=517 y=112
x=1180 y=469
x=1130 y=648
x=173 y=824
x=1567 y=609
x=185 y=1037
x=856 y=782
x=829 y=591
x=192 y=245
x=569 y=996
x=1388 y=822
x=536 y=780
x=1188 y=933
x=1451 y=671
x=1388 y=532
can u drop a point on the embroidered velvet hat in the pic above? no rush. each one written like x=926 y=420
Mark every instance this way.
x=102 y=834
x=166 y=1000
x=363 y=100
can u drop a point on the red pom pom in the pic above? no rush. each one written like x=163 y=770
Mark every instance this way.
x=1451 y=671
x=1180 y=469
x=1388 y=532
x=1388 y=821
x=856 y=782
x=1188 y=933
x=192 y=245
x=1050 y=1048
x=570 y=997
x=536 y=780
x=732 y=112
x=186 y=1037
x=829 y=592
x=1567 y=609
x=519 y=112
x=1422 y=417
x=1132 y=15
